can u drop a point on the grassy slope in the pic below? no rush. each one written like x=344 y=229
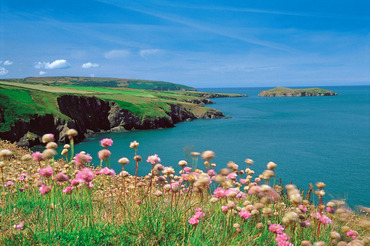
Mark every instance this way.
x=106 y=82
x=21 y=100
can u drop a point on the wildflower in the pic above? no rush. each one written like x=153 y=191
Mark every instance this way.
x=199 y=214
x=46 y=172
x=276 y=228
x=325 y=219
x=123 y=161
x=232 y=176
x=219 y=192
x=211 y=173
x=134 y=144
x=46 y=138
x=48 y=154
x=182 y=163
x=302 y=208
x=68 y=190
x=330 y=210
x=107 y=171
x=153 y=159
x=20 y=226
x=193 y=221
x=61 y=177
x=81 y=159
x=85 y=175
x=244 y=214
x=104 y=154
x=106 y=142
x=72 y=133
x=271 y=165
x=249 y=161
x=224 y=209
x=52 y=145
x=138 y=202
x=208 y=154
x=22 y=177
x=9 y=183
x=187 y=169
x=26 y=157
x=45 y=189
x=283 y=240
x=194 y=154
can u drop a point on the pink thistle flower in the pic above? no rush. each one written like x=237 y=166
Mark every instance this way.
x=245 y=214
x=107 y=171
x=199 y=214
x=353 y=234
x=153 y=159
x=330 y=210
x=61 y=177
x=46 y=172
x=193 y=221
x=106 y=142
x=187 y=169
x=243 y=181
x=104 y=154
x=241 y=195
x=68 y=190
x=81 y=159
x=20 y=226
x=45 y=189
x=9 y=183
x=86 y=175
x=283 y=240
x=302 y=208
x=232 y=176
x=175 y=186
x=76 y=182
x=37 y=156
x=23 y=177
x=276 y=228
x=219 y=192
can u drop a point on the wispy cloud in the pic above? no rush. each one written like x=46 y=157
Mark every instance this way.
x=3 y=71
x=204 y=27
x=7 y=63
x=90 y=65
x=57 y=64
x=113 y=54
x=148 y=52
x=42 y=72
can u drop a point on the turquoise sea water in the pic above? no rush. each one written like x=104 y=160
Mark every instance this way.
x=310 y=138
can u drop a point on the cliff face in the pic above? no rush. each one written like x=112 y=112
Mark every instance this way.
x=90 y=114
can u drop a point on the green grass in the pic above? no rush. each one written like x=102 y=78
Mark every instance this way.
x=284 y=91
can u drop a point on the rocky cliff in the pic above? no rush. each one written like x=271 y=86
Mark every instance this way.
x=90 y=114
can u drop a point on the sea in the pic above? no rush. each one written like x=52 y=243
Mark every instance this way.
x=311 y=139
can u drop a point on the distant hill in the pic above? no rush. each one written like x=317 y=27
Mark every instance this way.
x=106 y=82
x=287 y=92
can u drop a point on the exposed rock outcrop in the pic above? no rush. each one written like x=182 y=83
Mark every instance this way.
x=91 y=114
x=287 y=92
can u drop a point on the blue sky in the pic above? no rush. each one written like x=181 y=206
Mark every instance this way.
x=198 y=43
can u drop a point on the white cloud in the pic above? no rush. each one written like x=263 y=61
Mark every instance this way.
x=116 y=54
x=3 y=71
x=57 y=64
x=42 y=72
x=92 y=75
x=90 y=65
x=8 y=63
x=144 y=53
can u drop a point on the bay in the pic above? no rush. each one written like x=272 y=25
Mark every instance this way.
x=310 y=138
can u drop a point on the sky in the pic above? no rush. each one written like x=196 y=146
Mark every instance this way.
x=202 y=43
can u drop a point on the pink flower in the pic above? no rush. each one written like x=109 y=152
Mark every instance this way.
x=224 y=209
x=9 y=183
x=153 y=159
x=243 y=181
x=76 y=182
x=211 y=173
x=45 y=189
x=187 y=169
x=46 y=172
x=106 y=142
x=61 y=177
x=193 y=221
x=138 y=202
x=20 y=226
x=276 y=228
x=85 y=175
x=245 y=214
x=232 y=176
x=307 y=223
x=107 y=171
x=325 y=219
x=37 y=156
x=302 y=208
x=81 y=159
x=330 y=210
x=219 y=192
x=353 y=234
x=283 y=240
x=23 y=177
x=68 y=190
x=199 y=214
x=104 y=154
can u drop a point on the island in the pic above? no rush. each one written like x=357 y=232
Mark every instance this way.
x=287 y=92
x=34 y=106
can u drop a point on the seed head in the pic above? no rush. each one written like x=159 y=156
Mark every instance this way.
x=52 y=145
x=137 y=158
x=123 y=161
x=208 y=154
x=72 y=133
x=48 y=154
x=5 y=153
x=249 y=161
x=47 y=138
x=271 y=165
x=67 y=146
x=134 y=144
x=26 y=157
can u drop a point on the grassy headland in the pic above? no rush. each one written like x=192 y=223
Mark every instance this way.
x=159 y=104
x=287 y=92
